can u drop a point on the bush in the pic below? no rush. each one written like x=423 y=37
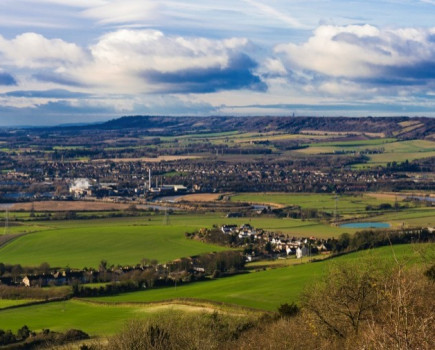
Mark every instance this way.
x=288 y=310
x=180 y=331
x=430 y=273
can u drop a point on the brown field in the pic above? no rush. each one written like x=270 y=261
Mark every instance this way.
x=201 y=197
x=147 y=159
x=386 y=196
x=69 y=206
x=409 y=123
x=408 y=126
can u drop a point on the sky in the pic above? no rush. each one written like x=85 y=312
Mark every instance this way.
x=85 y=61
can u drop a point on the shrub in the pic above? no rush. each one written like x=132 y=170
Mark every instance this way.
x=288 y=310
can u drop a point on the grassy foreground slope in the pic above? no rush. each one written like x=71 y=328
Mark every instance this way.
x=268 y=289
x=60 y=316
x=264 y=290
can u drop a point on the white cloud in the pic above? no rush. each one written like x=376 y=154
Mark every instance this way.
x=121 y=58
x=133 y=61
x=31 y=50
x=124 y=11
x=131 y=50
x=360 y=51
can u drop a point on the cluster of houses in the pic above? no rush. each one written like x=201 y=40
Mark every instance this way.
x=280 y=243
x=65 y=277
x=68 y=180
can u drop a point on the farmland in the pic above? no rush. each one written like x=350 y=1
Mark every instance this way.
x=6 y=303
x=390 y=150
x=345 y=204
x=81 y=243
x=128 y=240
x=88 y=245
x=264 y=290
x=254 y=289
x=283 y=185
x=348 y=206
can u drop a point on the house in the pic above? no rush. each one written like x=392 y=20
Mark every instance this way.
x=227 y=229
x=301 y=252
x=35 y=281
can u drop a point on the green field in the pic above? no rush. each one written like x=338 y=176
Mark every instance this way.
x=346 y=204
x=264 y=290
x=80 y=243
x=4 y=303
x=424 y=216
x=86 y=245
x=393 y=150
x=60 y=316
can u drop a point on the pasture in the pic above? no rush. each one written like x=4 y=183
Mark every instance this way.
x=127 y=240
x=60 y=316
x=86 y=244
x=264 y=290
x=346 y=204
x=5 y=303
x=391 y=149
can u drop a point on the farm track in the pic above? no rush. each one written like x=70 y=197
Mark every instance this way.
x=8 y=238
x=182 y=304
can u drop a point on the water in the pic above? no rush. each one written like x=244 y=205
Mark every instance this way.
x=167 y=199
x=366 y=225
x=260 y=207
x=4 y=206
x=420 y=198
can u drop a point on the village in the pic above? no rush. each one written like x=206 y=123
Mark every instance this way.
x=256 y=243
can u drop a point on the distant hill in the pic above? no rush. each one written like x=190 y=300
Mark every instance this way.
x=401 y=127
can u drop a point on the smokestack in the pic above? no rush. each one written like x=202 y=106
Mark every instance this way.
x=149 y=179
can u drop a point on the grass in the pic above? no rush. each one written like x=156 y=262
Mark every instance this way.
x=88 y=245
x=423 y=216
x=393 y=150
x=4 y=303
x=80 y=243
x=268 y=289
x=346 y=204
x=60 y=316
x=126 y=240
x=289 y=261
x=264 y=290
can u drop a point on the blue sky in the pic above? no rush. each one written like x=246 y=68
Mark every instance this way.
x=73 y=61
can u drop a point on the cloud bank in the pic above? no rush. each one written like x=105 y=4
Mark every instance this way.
x=366 y=54
x=138 y=71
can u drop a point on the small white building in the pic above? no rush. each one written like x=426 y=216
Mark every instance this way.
x=301 y=252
